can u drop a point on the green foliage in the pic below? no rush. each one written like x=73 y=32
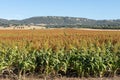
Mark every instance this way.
x=85 y=62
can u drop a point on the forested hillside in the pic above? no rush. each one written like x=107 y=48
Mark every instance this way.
x=56 y=21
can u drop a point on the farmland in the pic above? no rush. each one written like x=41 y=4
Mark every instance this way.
x=59 y=52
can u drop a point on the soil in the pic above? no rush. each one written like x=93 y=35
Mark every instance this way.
x=64 y=78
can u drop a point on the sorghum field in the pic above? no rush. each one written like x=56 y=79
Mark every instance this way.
x=59 y=52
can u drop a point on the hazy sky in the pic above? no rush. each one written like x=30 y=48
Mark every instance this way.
x=93 y=9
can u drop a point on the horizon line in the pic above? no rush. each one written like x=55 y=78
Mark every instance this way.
x=58 y=16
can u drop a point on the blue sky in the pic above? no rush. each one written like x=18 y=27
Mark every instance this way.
x=93 y=9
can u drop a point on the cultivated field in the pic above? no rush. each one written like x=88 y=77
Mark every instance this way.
x=59 y=53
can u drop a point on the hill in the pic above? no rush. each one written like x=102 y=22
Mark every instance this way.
x=56 y=21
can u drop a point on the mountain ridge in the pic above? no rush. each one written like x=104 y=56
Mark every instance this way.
x=61 y=20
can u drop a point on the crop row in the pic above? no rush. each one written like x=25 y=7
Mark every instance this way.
x=67 y=52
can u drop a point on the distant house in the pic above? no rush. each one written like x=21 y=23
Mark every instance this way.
x=29 y=27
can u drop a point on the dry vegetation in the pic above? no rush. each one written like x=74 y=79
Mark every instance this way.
x=63 y=52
